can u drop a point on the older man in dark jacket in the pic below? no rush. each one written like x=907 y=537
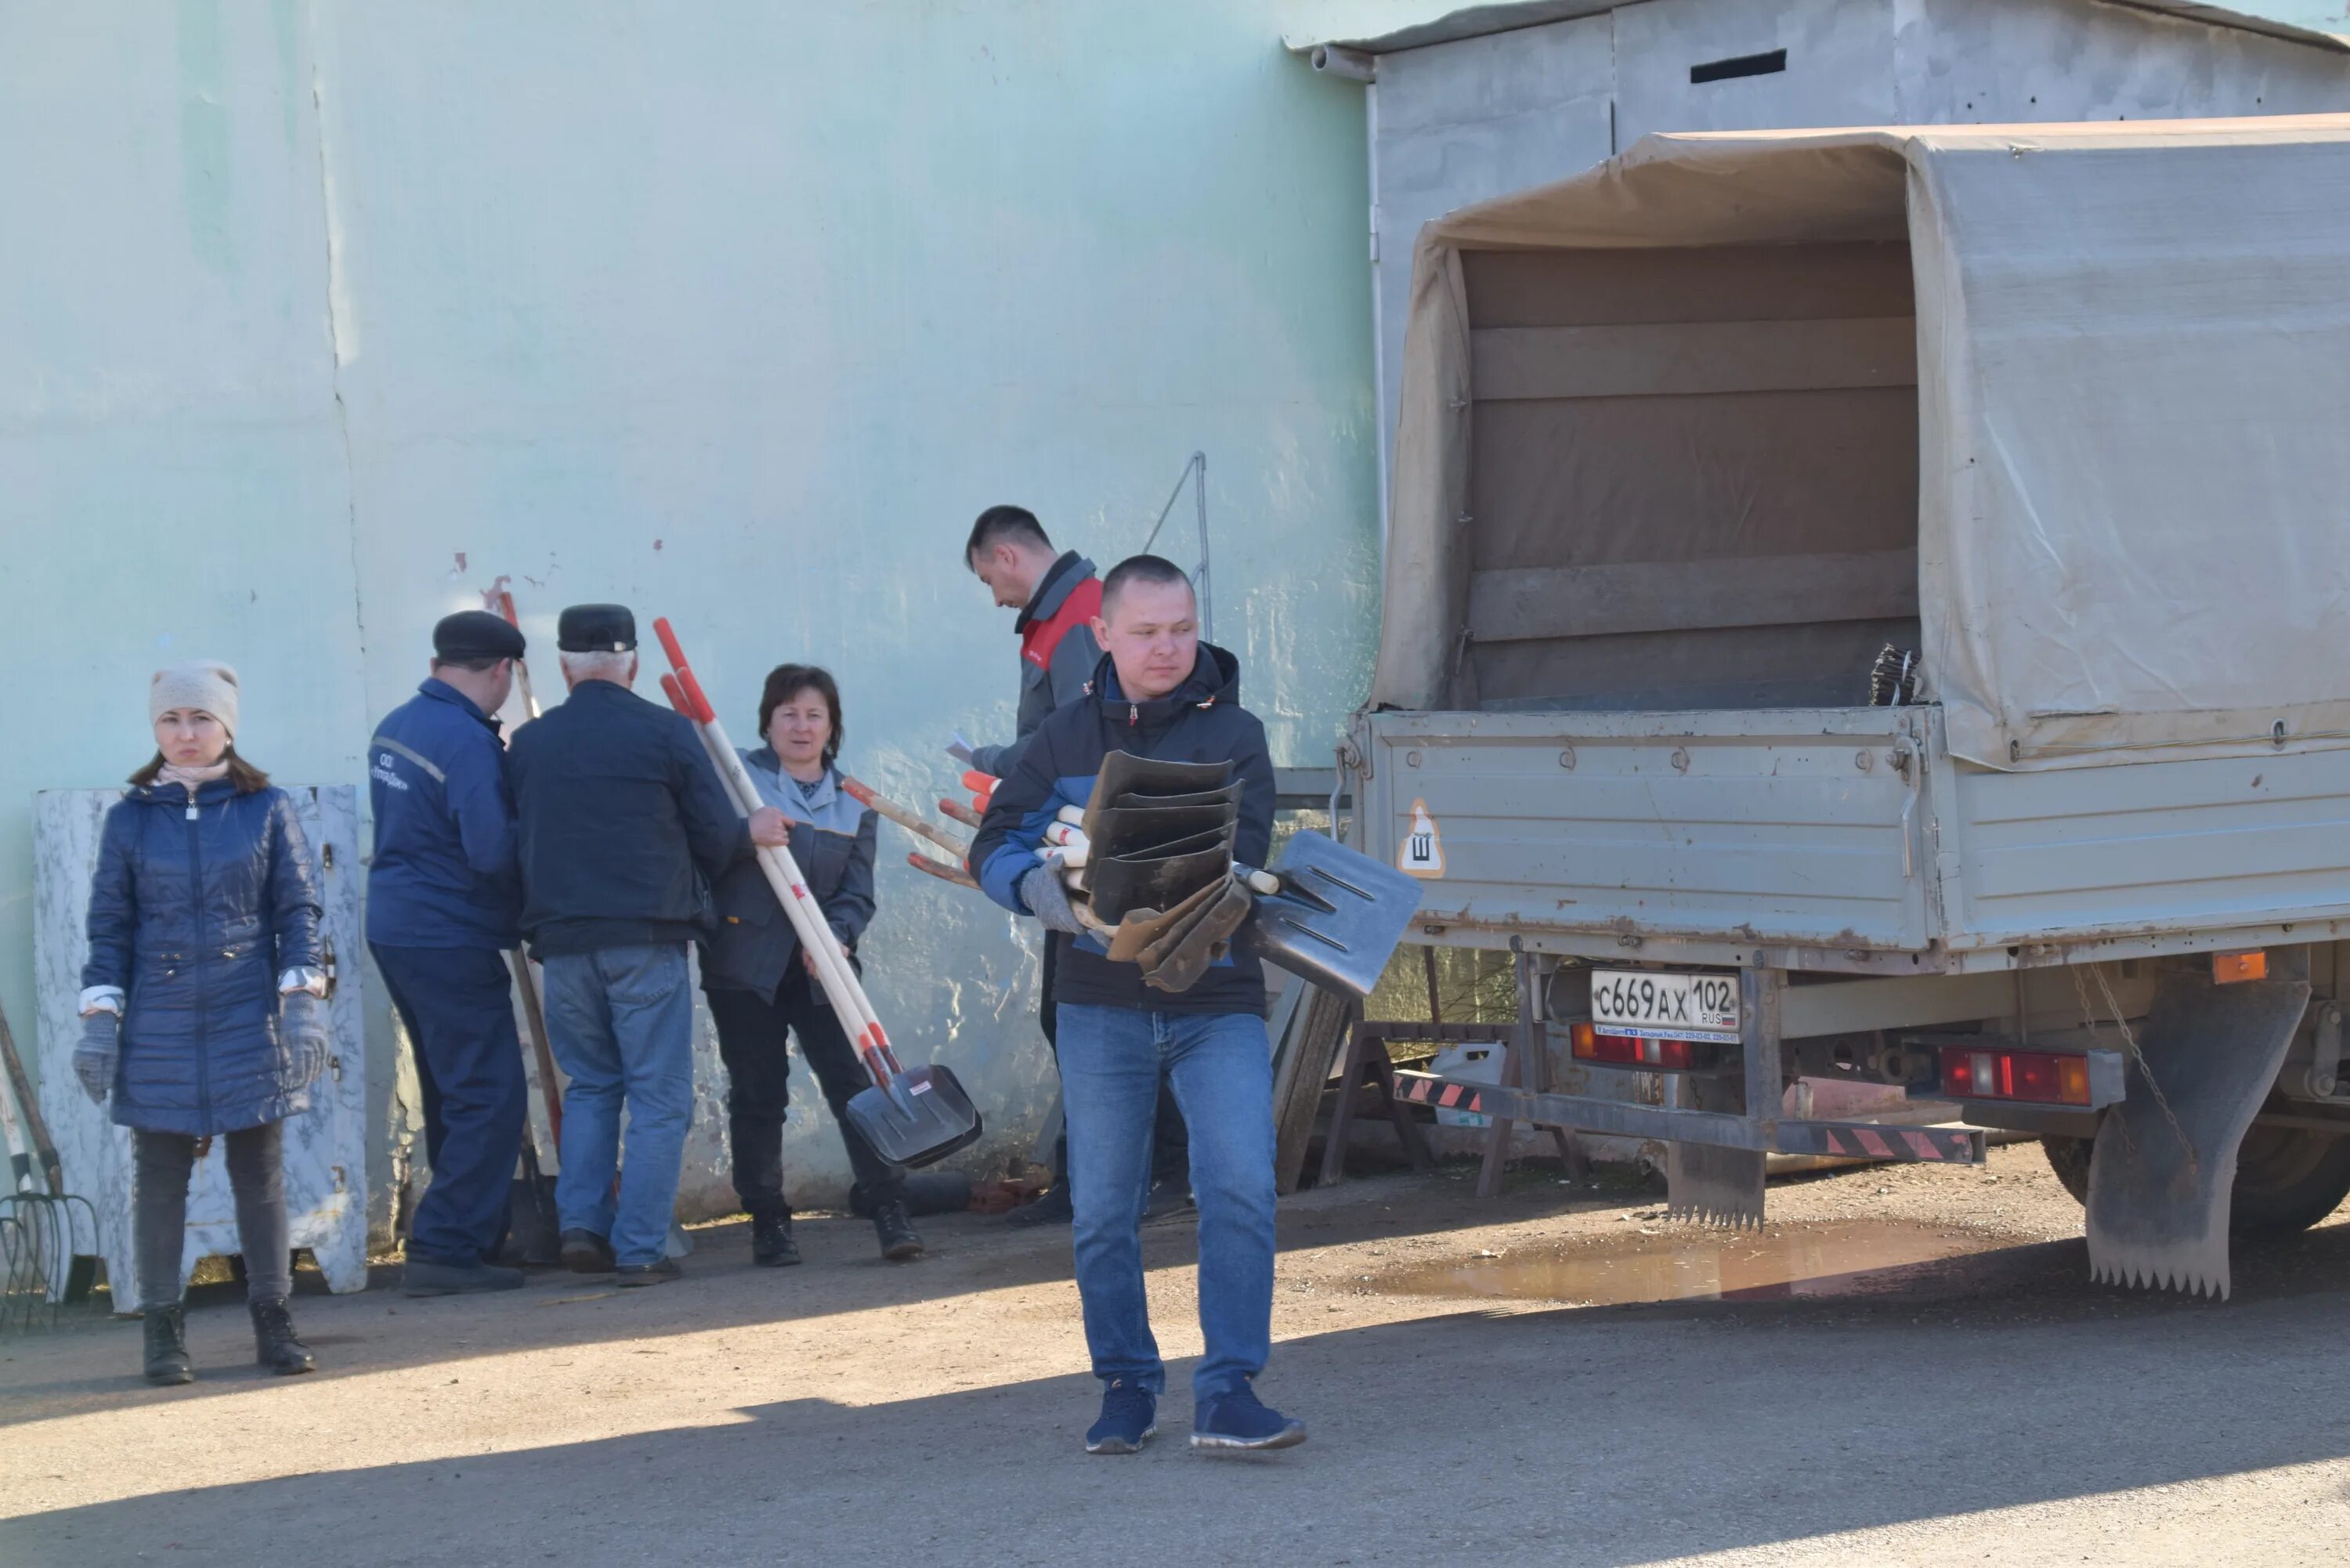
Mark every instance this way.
x=624 y=827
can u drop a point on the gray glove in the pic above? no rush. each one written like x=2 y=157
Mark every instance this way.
x=95 y=1057
x=302 y=1029
x=1048 y=900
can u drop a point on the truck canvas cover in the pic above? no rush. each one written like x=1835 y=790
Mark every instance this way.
x=2132 y=368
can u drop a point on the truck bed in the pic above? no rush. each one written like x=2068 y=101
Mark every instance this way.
x=1844 y=838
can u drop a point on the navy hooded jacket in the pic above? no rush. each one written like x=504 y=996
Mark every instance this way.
x=1199 y=722
x=194 y=912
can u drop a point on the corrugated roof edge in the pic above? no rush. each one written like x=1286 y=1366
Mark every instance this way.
x=1510 y=15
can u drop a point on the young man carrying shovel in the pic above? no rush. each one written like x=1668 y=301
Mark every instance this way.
x=1158 y=693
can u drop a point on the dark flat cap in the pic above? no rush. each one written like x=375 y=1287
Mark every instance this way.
x=476 y=634
x=595 y=629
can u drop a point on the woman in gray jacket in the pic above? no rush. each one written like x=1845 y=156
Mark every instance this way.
x=763 y=988
x=201 y=1001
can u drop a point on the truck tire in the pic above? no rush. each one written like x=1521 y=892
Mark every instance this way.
x=2069 y=1158
x=2287 y=1179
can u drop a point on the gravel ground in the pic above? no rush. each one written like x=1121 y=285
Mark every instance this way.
x=1988 y=1405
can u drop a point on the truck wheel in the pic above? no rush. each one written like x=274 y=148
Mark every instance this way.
x=2287 y=1179
x=2069 y=1158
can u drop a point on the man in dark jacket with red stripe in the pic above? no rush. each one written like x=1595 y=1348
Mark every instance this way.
x=1158 y=693
x=1057 y=598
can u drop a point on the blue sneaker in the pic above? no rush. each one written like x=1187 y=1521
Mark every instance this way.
x=1128 y=1418
x=1239 y=1420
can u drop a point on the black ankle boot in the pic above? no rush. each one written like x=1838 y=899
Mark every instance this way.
x=771 y=1246
x=899 y=1240
x=167 y=1346
x=274 y=1344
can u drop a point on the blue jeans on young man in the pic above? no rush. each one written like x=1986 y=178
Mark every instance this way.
x=457 y=1004
x=621 y=1023
x=1219 y=1063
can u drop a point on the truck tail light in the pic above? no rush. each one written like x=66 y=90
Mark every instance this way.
x=2049 y=1077
x=1629 y=1051
x=2226 y=969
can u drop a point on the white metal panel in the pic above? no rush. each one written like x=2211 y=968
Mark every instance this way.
x=2009 y=60
x=1839 y=66
x=1761 y=828
x=326 y=1146
x=2177 y=844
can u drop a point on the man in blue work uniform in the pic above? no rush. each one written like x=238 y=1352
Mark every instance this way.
x=444 y=901
x=625 y=827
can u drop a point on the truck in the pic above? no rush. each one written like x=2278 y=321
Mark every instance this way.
x=1867 y=605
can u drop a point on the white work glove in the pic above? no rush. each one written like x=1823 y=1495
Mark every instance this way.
x=1048 y=900
x=94 y=1059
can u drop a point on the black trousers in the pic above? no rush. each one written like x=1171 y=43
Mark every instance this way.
x=1170 y=1141
x=164 y=1163
x=751 y=1031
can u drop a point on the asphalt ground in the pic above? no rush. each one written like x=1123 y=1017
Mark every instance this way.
x=1907 y=1366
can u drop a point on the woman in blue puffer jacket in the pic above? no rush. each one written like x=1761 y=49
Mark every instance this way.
x=201 y=1001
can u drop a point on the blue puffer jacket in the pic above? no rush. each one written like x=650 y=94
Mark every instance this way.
x=194 y=911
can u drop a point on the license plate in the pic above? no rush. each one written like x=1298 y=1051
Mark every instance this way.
x=1648 y=1005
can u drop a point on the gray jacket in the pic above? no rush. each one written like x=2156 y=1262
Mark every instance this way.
x=1058 y=654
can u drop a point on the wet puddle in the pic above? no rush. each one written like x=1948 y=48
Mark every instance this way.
x=1845 y=1259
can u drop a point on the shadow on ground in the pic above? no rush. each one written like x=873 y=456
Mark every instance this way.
x=1602 y=1436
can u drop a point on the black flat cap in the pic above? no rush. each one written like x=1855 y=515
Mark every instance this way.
x=476 y=634
x=595 y=629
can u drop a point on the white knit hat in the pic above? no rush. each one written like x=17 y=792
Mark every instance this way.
x=207 y=684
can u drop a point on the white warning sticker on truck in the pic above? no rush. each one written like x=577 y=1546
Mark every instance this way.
x=1422 y=854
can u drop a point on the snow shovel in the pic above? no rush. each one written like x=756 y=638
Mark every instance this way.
x=1334 y=918
x=913 y=1117
x=1123 y=775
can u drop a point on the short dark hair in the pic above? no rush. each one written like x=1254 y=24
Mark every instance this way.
x=1140 y=569
x=786 y=681
x=480 y=666
x=1000 y=523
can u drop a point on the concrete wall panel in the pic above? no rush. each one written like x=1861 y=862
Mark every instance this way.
x=317 y=320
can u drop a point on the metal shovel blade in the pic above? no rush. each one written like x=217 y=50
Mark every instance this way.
x=1118 y=884
x=1142 y=830
x=1338 y=915
x=2164 y=1162
x=926 y=1119
x=1124 y=773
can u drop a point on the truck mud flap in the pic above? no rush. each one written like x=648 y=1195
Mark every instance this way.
x=1707 y=1184
x=2164 y=1159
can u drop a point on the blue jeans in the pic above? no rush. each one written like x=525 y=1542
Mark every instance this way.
x=1112 y=1059
x=621 y=1023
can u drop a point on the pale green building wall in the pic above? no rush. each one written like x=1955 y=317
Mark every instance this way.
x=315 y=320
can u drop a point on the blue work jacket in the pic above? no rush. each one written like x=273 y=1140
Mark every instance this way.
x=445 y=873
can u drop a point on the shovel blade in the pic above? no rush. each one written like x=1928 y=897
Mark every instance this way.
x=2164 y=1167
x=935 y=1120
x=1338 y=918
